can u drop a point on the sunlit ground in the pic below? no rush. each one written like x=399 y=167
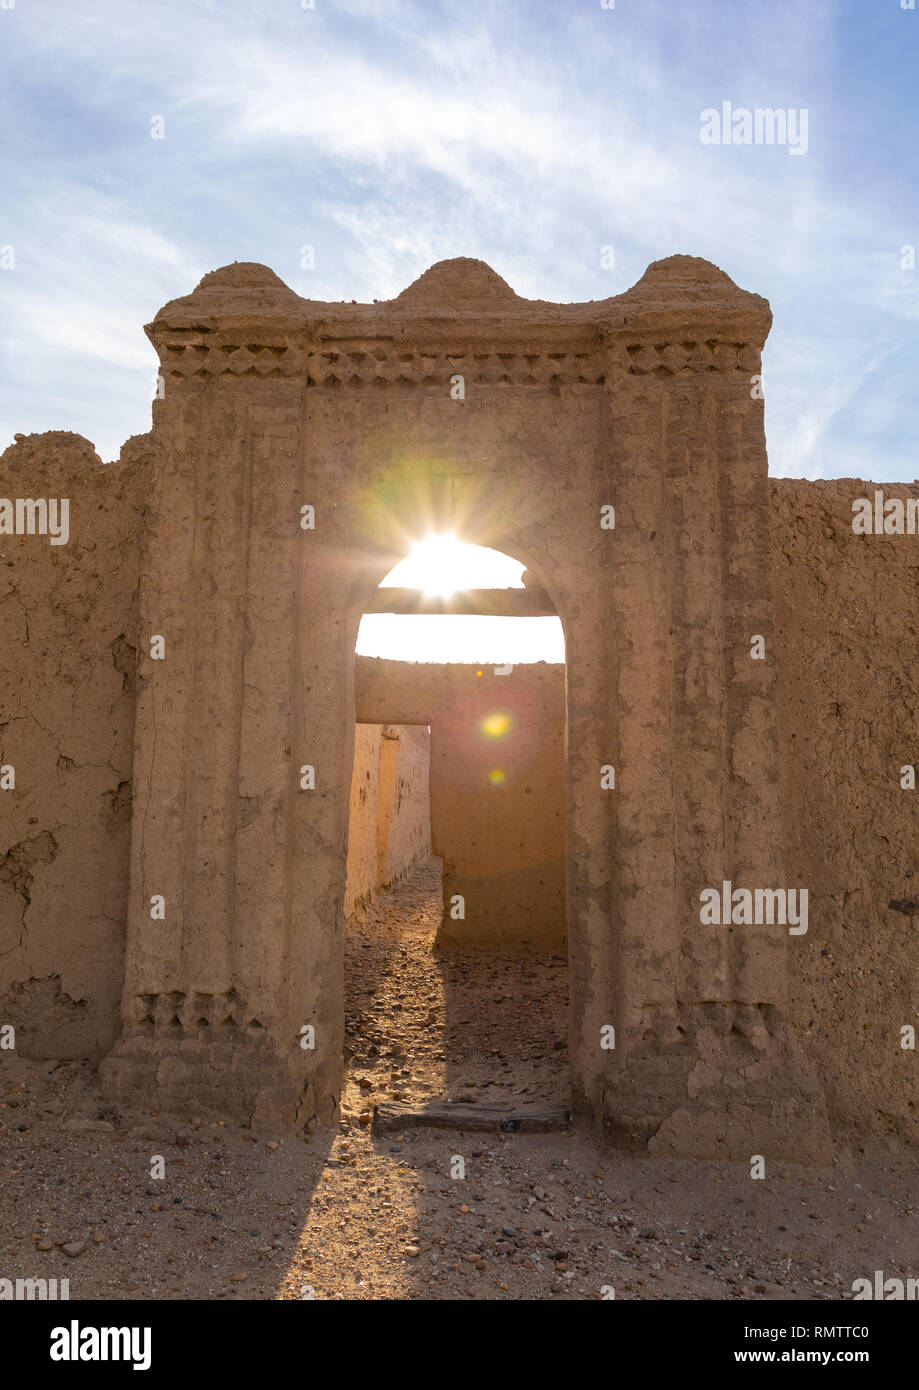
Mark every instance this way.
x=442 y=565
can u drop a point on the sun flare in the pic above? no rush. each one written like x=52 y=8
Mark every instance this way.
x=440 y=565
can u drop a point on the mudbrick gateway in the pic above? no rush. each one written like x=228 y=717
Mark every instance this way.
x=200 y=776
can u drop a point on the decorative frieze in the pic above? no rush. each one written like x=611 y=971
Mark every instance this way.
x=195 y=1013
x=348 y=368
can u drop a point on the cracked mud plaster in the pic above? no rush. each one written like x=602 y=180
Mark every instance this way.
x=67 y=620
x=18 y=864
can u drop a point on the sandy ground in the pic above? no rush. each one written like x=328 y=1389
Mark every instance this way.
x=345 y=1214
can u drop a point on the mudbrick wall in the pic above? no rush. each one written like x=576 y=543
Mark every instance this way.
x=390 y=824
x=67 y=693
x=847 y=621
x=847 y=610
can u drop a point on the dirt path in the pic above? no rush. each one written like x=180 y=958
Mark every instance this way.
x=350 y=1215
x=457 y=1025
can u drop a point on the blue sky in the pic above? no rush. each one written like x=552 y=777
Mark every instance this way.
x=389 y=134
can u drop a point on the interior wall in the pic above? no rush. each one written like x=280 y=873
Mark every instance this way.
x=405 y=802
x=497 y=791
x=390 y=822
x=362 y=826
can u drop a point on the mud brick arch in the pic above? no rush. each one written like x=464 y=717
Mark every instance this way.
x=644 y=402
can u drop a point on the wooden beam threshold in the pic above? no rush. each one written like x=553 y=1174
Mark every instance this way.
x=490 y=603
x=495 y=1119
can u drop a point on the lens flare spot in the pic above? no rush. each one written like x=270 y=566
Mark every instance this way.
x=496 y=777
x=496 y=725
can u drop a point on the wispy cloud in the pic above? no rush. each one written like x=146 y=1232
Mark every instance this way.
x=389 y=135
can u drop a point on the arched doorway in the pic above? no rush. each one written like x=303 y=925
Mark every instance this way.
x=456 y=959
